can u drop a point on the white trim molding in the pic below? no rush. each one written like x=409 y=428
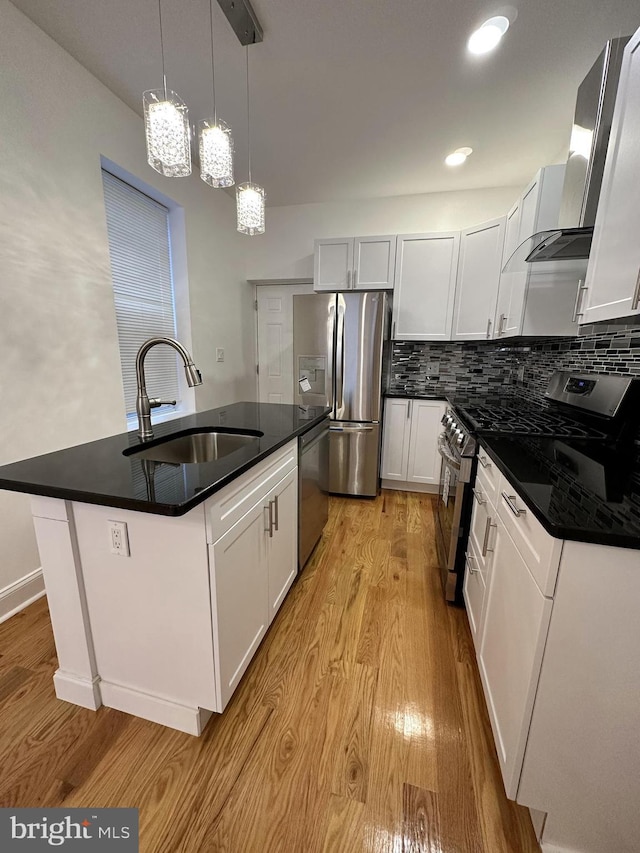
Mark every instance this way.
x=21 y=594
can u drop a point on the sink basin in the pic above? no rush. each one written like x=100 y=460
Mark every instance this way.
x=195 y=447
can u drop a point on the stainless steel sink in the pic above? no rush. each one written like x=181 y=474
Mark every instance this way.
x=195 y=447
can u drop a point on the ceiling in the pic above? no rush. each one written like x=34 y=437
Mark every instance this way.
x=355 y=99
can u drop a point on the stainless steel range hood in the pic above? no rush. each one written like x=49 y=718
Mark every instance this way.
x=571 y=241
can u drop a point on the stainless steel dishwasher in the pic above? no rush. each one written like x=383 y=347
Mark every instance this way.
x=313 y=482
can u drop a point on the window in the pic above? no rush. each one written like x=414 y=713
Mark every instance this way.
x=141 y=270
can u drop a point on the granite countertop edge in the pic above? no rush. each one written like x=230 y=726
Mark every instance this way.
x=573 y=534
x=273 y=443
x=409 y=395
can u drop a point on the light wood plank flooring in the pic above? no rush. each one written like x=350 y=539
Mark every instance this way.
x=360 y=725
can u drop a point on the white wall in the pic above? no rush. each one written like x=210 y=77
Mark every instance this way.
x=286 y=249
x=60 y=373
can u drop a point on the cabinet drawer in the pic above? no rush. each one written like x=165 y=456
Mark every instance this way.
x=228 y=506
x=540 y=551
x=474 y=592
x=488 y=477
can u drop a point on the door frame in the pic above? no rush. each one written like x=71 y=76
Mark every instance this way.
x=301 y=285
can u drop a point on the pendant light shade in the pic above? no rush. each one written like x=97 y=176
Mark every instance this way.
x=214 y=136
x=166 y=124
x=216 y=153
x=250 y=203
x=250 y=198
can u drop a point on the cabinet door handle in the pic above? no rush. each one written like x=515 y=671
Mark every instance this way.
x=483 y=461
x=276 y=514
x=487 y=532
x=393 y=331
x=355 y=277
x=478 y=496
x=348 y=279
x=501 y=324
x=510 y=501
x=408 y=409
x=636 y=294
x=489 y=327
x=269 y=508
x=576 y=308
x=472 y=571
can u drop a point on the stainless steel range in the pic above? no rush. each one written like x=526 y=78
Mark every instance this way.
x=457 y=447
x=591 y=408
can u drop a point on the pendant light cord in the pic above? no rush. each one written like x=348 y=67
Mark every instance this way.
x=164 y=76
x=213 y=67
x=248 y=121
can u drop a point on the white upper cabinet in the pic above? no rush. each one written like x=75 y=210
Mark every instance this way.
x=354 y=263
x=426 y=266
x=374 y=263
x=538 y=299
x=613 y=275
x=479 y=268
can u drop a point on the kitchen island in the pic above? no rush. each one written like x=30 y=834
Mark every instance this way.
x=163 y=577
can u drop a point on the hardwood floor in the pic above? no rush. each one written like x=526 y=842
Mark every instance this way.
x=359 y=726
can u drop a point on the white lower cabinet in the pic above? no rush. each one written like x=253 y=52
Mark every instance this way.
x=410 y=458
x=515 y=627
x=239 y=599
x=479 y=555
x=252 y=567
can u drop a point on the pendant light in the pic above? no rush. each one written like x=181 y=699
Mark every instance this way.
x=215 y=140
x=166 y=124
x=250 y=198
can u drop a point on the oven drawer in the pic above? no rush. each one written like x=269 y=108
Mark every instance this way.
x=540 y=551
x=488 y=476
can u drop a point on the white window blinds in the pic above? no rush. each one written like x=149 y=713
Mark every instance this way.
x=140 y=253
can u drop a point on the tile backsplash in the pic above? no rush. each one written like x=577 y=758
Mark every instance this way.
x=481 y=367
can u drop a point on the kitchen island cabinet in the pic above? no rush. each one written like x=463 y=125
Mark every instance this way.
x=165 y=627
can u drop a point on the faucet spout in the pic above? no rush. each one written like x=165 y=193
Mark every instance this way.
x=143 y=404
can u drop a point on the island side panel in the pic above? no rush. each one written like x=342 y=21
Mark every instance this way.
x=76 y=679
x=150 y=613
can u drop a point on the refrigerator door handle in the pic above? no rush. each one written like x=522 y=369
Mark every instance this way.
x=331 y=323
x=339 y=397
x=356 y=428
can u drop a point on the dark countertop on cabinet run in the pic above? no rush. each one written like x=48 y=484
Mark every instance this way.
x=99 y=473
x=410 y=395
x=579 y=490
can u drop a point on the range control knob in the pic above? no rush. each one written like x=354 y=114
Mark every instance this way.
x=454 y=426
x=461 y=438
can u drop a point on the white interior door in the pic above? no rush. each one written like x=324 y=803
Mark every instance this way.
x=275 y=340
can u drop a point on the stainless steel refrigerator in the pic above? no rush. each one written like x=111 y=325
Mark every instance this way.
x=339 y=343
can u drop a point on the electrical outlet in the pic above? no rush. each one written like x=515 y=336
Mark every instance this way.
x=119 y=538
x=219 y=353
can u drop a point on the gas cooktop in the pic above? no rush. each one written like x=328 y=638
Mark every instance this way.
x=522 y=419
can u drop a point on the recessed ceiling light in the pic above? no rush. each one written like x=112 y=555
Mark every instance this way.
x=488 y=36
x=458 y=157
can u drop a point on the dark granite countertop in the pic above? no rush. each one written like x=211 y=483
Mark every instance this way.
x=412 y=395
x=580 y=490
x=99 y=473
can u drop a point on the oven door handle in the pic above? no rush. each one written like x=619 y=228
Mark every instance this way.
x=444 y=451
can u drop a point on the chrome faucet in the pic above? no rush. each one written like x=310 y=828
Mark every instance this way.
x=143 y=403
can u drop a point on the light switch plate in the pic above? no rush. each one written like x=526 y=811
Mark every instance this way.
x=219 y=353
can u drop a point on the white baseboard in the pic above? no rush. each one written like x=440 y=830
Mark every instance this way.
x=78 y=691
x=402 y=486
x=153 y=708
x=21 y=594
